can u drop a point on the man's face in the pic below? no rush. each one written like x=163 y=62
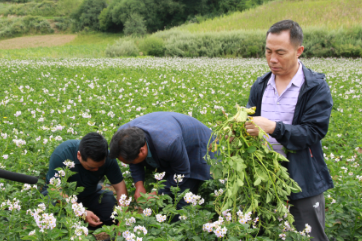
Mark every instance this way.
x=90 y=165
x=281 y=54
x=141 y=156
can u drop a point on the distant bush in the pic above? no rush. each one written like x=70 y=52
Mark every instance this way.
x=16 y=1
x=152 y=46
x=62 y=23
x=46 y=8
x=135 y=25
x=87 y=15
x=317 y=42
x=23 y=25
x=247 y=44
x=122 y=48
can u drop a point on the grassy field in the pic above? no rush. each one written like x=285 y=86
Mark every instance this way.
x=44 y=102
x=329 y=14
x=83 y=46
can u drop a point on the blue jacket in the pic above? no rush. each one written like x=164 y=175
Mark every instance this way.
x=178 y=143
x=310 y=124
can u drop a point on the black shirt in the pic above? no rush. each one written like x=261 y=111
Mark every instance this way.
x=84 y=178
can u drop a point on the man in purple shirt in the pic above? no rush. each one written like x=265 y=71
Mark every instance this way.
x=293 y=105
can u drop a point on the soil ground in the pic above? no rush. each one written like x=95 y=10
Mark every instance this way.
x=36 y=41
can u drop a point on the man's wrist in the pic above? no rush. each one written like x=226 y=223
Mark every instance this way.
x=139 y=184
x=272 y=127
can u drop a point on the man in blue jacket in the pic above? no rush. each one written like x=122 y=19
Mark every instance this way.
x=293 y=105
x=171 y=142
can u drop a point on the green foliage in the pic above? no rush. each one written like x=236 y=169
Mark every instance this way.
x=46 y=8
x=62 y=23
x=152 y=46
x=135 y=25
x=331 y=14
x=317 y=42
x=256 y=180
x=16 y=1
x=28 y=24
x=87 y=15
x=122 y=48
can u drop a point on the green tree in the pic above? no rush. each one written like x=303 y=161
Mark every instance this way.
x=135 y=25
x=87 y=14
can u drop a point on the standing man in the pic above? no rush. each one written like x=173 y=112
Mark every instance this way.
x=293 y=105
x=172 y=142
x=90 y=156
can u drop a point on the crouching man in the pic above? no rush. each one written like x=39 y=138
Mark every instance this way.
x=92 y=163
x=171 y=142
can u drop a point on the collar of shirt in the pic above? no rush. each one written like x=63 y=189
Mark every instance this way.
x=297 y=80
x=149 y=154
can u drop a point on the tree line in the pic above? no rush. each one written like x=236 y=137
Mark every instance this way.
x=138 y=17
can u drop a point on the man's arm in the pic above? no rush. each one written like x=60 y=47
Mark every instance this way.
x=179 y=160
x=313 y=123
x=120 y=189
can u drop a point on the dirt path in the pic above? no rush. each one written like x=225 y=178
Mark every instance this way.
x=36 y=41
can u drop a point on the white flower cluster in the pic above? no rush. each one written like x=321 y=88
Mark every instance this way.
x=55 y=181
x=71 y=199
x=61 y=173
x=183 y=217
x=43 y=220
x=130 y=236
x=130 y=220
x=123 y=200
x=138 y=229
x=79 y=231
x=178 y=178
x=160 y=218
x=2 y=186
x=159 y=176
x=307 y=230
x=243 y=218
x=222 y=181
x=194 y=199
x=19 y=142
x=216 y=227
x=57 y=128
x=218 y=192
x=147 y=212
x=227 y=214
x=79 y=210
x=11 y=205
x=69 y=163
x=26 y=187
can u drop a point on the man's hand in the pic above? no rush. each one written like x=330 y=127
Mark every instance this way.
x=92 y=219
x=140 y=188
x=265 y=124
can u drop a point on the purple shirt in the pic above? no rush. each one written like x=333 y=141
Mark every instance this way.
x=281 y=108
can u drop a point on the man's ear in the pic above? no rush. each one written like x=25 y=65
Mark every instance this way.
x=300 y=50
x=79 y=156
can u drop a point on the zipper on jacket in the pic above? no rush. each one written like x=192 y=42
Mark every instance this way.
x=311 y=154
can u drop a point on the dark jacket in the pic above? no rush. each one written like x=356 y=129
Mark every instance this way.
x=310 y=124
x=178 y=143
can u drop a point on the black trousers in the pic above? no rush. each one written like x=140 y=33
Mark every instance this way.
x=101 y=203
x=310 y=210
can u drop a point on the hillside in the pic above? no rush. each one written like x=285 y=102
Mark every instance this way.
x=330 y=14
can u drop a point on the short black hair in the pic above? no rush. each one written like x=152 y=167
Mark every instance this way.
x=295 y=31
x=93 y=146
x=127 y=143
